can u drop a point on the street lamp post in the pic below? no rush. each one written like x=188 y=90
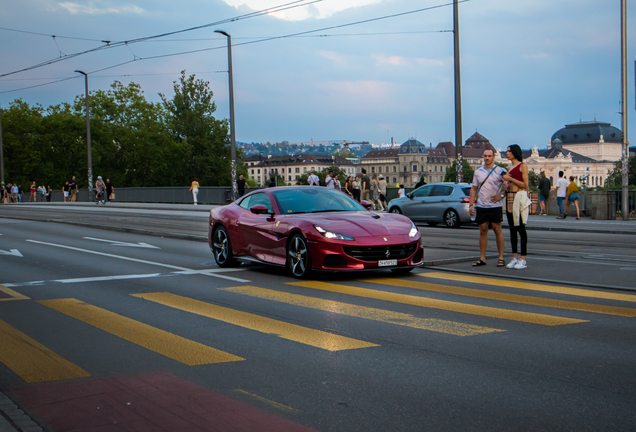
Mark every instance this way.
x=1 y=153
x=625 y=146
x=458 y=98
x=232 y=129
x=88 y=139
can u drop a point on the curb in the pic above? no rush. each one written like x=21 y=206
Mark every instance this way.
x=13 y=419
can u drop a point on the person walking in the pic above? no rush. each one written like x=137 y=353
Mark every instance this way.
x=110 y=191
x=100 y=189
x=401 y=191
x=375 y=191
x=41 y=192
x=382 y=185
x=562 y=188
x=573 y=197
x=49 y=192
x=14 y=193
x=313 y=179
x=194 y=188
x=356 y=189
x=329 y=180
x=241 y=184
x=73 y=189
x=349 y=187
x=486 y=189
x=20 y=193
x=517 y=204
x=34 y=190
x=365 y=185
x=544 y=193
x=66 y=188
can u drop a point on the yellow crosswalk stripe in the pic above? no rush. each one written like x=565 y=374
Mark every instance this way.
x=528 y=317
x=432 y=324
x=14 y=295
x=513 y=298
x=175 y=347
x=293 y=332
x=32 y=361
x=531 y=286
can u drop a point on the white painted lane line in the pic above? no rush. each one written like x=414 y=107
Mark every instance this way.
x=107 y=278
x=13 y=252
x=138 y=260
x=118 y=243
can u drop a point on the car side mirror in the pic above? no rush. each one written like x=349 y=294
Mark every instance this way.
x=410 y=195
x=366 y=204
x=259 y=209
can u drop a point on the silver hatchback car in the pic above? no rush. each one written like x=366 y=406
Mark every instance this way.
x=436 y=203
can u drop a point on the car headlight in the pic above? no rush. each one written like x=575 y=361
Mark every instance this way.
x=414 y=231
x=332 y=235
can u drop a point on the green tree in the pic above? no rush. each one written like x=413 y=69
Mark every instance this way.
x=533 y=179
x=206 y=140
x=343 y=154
x=615 y=179
x=451 y=174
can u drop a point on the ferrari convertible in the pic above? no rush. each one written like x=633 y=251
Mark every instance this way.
x=308 y=228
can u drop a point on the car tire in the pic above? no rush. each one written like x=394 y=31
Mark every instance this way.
x=222 y=248
x=395 y=210
x=298 y=257
x=451 y=219
x=402 y=270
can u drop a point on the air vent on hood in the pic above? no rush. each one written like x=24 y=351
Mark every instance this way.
x=375 y=216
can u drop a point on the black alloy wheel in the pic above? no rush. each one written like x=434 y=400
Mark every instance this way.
x=222 y=248
x=451 y=219
x=298 y=257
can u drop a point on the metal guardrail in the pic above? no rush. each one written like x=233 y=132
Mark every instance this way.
x=617 y=199
x=167 y=195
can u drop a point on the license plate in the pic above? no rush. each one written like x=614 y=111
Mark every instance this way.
x=387 y=263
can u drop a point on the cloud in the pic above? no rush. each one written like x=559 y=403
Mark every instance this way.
x=93 y=9
x=381 y=59
x=316 y=10
x=430 y=62
x=339 y=59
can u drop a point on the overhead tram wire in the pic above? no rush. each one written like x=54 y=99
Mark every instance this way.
x=115 y=44
x=260 y=40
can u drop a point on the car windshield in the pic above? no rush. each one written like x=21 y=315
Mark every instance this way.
x=313 y=200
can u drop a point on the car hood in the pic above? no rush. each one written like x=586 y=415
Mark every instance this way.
x=363 y=223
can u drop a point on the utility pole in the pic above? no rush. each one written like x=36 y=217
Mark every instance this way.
x=232 y=130
x=625 y=158
x=88 y=139
x=459 y=161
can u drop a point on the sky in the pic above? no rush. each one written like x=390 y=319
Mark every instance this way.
x=528 y=67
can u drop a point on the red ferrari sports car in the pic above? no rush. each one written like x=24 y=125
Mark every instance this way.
x=312 y=228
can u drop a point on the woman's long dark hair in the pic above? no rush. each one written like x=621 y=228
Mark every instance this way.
x=516 y=152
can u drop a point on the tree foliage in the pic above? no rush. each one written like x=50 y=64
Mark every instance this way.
x=134 y=142
x=451 y=174
x=615 y=178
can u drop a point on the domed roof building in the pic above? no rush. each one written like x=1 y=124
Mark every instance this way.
x=597 y=140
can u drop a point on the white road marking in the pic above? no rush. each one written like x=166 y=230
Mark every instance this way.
x=13 y=252
x=118 y=243
x=107 y=278
x=140 y=261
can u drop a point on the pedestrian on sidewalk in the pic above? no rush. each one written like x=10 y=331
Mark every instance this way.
x=356 y=189
x=73 y=189
x=66 y=188
x=14 y=193
x=41 y=192
x=401 y=191
x=544 y=193
x=382 y=185
x=517 y=205
x=110 y=191
x=365 y=185
x=313 y=179
x=34 y=190
x=375 y=191
x=562 y=187
x=20 y=193
x=241 y=184
x=487 y=189
x=100 y=191
x=49 y=191
x=194 y=188
x=573 y=197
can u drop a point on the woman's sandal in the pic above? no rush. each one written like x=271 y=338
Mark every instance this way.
x=479 y=263
x=501 y=263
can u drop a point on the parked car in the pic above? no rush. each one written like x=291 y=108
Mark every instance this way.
x=308 y=228
x=436 y=203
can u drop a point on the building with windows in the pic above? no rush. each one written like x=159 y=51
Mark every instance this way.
x=385 y=162
x=291 y=167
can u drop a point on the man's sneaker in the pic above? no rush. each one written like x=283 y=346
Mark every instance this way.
x=565 y=215
x=512 y=263
x=520 y=265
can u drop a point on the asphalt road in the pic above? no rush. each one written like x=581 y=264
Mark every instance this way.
x=120 y=330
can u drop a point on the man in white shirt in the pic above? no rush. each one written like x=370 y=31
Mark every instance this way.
x=313 y=179
x=562 y=187
x=329 y=181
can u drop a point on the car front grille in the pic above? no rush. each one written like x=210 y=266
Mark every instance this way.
x=376 y=253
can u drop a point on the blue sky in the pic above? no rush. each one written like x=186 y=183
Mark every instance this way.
x=528 y=66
